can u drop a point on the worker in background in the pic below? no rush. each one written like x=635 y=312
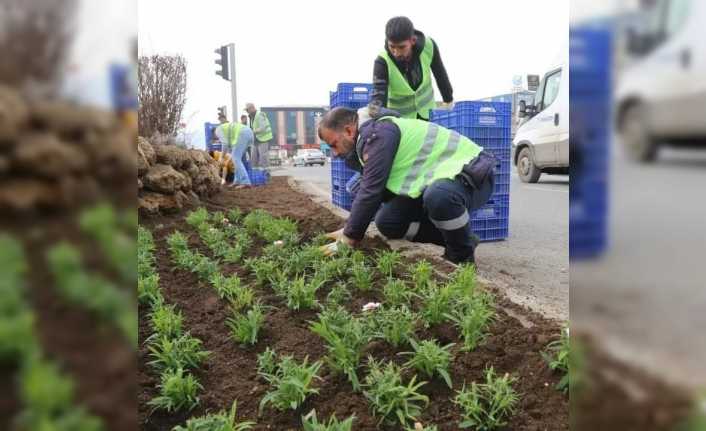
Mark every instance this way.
x=225 y=164
x=260 y=125
x=244 y=119
x=235 y=139
x=427 y=178
x=402 y=72
x=247 y=155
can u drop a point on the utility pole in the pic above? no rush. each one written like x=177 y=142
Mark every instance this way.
x=233 y=92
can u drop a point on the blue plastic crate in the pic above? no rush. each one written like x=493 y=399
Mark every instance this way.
x=259 y=177
x=340 y=174
x=351 y=95
x=474 y=114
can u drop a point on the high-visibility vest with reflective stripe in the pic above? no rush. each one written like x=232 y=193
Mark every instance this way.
x=427 y=152
x=260 y=121
x=400 y=95
x=232 y=132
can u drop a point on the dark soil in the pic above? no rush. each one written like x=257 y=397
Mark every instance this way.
x=96 y=356
x=613 y=396
x=230 y=372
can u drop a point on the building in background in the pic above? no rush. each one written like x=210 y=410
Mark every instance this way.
x=294 y=127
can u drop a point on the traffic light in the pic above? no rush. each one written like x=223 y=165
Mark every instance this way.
x=222 y=62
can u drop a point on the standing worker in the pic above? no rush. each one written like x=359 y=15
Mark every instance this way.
x=236 y=138
x=263 y=136
x=402 y=72
x=430 y=179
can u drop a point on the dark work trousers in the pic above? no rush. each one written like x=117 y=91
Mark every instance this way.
x=440 y=216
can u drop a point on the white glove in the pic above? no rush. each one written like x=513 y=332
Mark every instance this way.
x=448 y=106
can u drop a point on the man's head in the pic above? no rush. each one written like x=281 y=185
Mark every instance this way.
x=250 y=108
x=222 y=118
x=244 y=119
x=339 y=129
x=400 y=37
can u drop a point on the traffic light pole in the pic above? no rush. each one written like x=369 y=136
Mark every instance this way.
x=233 y=93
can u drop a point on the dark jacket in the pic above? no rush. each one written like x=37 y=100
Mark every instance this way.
x=412 y=71
x=378 y=142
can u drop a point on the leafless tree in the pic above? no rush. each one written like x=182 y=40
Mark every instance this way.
x=161 y=91
x=35 y=37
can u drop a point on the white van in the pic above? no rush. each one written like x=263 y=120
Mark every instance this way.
x=661 y=97
x=541 y=144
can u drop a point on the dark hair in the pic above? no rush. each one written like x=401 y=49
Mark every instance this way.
x=399 y=29
x=336 y=118
x=211 y=153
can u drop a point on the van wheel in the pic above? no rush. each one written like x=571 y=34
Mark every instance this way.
x=638 y=143
x=528 y=172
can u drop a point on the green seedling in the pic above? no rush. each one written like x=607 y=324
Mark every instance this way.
x=463 y=281
x=44 y=388
x=421 y=275
x=235 y=215
x=487 y=406
x=172 y=354
x=267 y=362
x=389 y=397
x=472 y=317
x=397 y=293
x=431 y=359
x=244 y=328
x=197 y=218
x=262 y=268
x=291 y=384
x=437 y=304
x=301 y=295
x=148 y=292
x=177 y=391
x=311 y=423
x=387 y=262
x=395 y=325
x=361 y=276
x=222 y=421
x=231 y=289
x=557 y=357
x=339 y=294
x=166 y=322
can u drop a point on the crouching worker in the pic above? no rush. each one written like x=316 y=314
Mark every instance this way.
x=226 y=168
x=236 y=138
x=427 y=178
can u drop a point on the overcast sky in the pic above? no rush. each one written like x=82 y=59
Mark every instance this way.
x=294 y=52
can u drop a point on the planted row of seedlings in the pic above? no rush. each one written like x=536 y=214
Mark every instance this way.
x=296 y=273
x=46 y=394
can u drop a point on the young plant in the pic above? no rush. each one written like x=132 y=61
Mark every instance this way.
x=338 y=294
x=345 y=339
x=301 y=295
x=311 y=423
x=178 y=353
x=244 y=328
x=235 y=215
x=387 y=261
x=197 y=218
x=395 y=325
x=389 y=397
x=166 y=322
x=397 y=293
x=557 y=357
x=148 y=292
x=266 y=362
x=473 y=317
x=177 y=391
x=230 y=288
x=431 y=359
x=291 y=383
x=487 y=406
x=421 y=274
x=222 y=421
x=362 y=277
x=438 y=304
x=463 y=281
x=204 y=267
x=262 y=268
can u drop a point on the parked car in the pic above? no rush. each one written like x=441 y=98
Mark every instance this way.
x=661 y=97
x=541 y=144
x=308 y=157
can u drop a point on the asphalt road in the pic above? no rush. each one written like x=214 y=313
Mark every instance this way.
x=533 y=264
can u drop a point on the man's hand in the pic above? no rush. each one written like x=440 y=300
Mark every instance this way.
x=448 y=106
x=339 y=238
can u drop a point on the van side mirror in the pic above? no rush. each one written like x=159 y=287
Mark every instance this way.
x=522 y=109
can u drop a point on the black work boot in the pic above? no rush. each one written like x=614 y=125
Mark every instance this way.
x=466 y=254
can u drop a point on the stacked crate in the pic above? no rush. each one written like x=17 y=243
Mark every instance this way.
x=488 y=124
x=590 y=52
x=353 y=96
